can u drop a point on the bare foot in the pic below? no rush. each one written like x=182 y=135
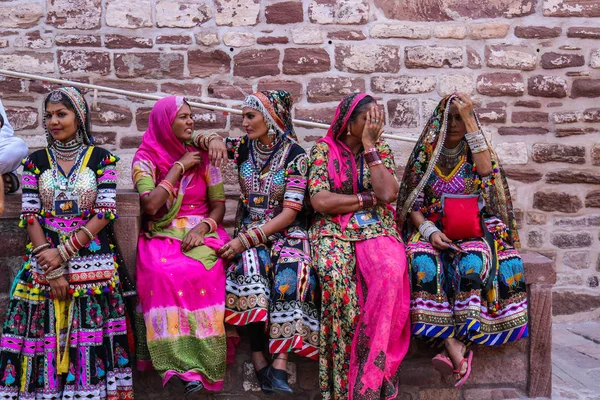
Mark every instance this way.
x=456 y=350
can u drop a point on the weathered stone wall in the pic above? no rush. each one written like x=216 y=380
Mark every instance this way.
x=531 y=65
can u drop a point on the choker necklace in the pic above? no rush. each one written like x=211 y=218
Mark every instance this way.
x=450 y=157
x=66 y=151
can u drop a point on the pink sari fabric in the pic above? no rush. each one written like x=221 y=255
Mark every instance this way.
x=337 y=149
x=382 y=336
x=159 y=144
x=183 y=302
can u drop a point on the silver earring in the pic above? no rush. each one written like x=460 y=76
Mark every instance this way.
x=349 y=132
x=271 y=133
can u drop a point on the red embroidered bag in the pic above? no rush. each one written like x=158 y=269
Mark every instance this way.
x=461 y=216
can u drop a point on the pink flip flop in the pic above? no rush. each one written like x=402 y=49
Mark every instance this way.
x=468 y=360
x=442 y=364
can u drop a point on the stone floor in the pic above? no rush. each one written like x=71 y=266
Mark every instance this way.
x=576 y=360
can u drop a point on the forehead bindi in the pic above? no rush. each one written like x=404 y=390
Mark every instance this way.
x=55 y=108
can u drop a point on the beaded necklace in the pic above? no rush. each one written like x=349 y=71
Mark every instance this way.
x=67 y=151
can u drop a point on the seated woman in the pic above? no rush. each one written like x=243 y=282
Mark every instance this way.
x=467 y=278
x=181 y=281
x=365 y=329
x=65 y=334
x=271 y=283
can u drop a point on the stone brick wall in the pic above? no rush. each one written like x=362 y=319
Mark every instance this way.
x=531 y=65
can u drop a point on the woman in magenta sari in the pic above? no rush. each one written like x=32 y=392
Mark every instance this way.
x=365 y=326
x=181 y=281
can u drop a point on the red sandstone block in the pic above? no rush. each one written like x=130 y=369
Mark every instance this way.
x=229 y=90
x=333 y=89
x=157 y=65
x=207 y=63
x=83 y=61
x=293 y=87
x=433 y=57
x=77 y=40
x=585 y=88
x=287 y=12
x=500 y=84
x=529 y=116
x=128 y=84
x=537 y=32
x=255 y=63
x=554 y=60
x=106 y=114
x=183 y=88
x=551 y=201
x=547 y=86
x=22 y=118
x=300 y=61
x=323 y=115
x=127 y=42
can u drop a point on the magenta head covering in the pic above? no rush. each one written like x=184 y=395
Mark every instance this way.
x=159 y=143
x=337 y=149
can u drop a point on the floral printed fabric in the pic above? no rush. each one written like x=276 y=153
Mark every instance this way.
x=329 y=225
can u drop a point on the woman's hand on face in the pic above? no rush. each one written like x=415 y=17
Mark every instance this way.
x=193 y=238
x=191 y=160
x=49 y=260
x=231 y=249
x=217 y=152
x=465 y=106
x=59 y=287
x=373 y=127
x=439 y=240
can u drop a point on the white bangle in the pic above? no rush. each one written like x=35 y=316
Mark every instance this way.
x=427 y=229
x=181 y=165
x=476 y=142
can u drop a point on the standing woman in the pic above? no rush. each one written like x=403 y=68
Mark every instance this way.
x=181 y=281
x=271 y=283
x=454 y=207
x=66 y=332
x=365 y=330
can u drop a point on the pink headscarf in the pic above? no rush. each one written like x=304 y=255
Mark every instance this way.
x=336 y=148
x=159 y=144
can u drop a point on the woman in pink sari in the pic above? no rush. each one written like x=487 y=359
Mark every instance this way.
x=365 y=326
x=181 y=281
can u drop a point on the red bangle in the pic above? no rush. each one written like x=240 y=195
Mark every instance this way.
x=372 y=156
x=360 y=201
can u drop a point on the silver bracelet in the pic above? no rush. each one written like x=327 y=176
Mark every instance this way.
x=57 y=273
x=427 y=229
x=476 y=142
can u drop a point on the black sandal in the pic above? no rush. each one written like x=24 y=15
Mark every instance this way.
x=13 y=181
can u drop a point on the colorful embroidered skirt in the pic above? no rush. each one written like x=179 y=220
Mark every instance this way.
x=451 y=297
x=96 y=363
x=278 y=286
x=183 y=309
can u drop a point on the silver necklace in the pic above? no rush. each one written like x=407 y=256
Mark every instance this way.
x=450 y=157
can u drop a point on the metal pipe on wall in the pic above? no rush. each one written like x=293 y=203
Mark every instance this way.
x=65 y=82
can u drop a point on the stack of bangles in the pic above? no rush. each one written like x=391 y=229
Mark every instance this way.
x=476 y=142
x=212 y=224
x=70 y=248
x=252 y=237
x=372 y=157
x=427 y=229
x=366 y=200
x=39 y=249
x=204 y=140
x=168 y=186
